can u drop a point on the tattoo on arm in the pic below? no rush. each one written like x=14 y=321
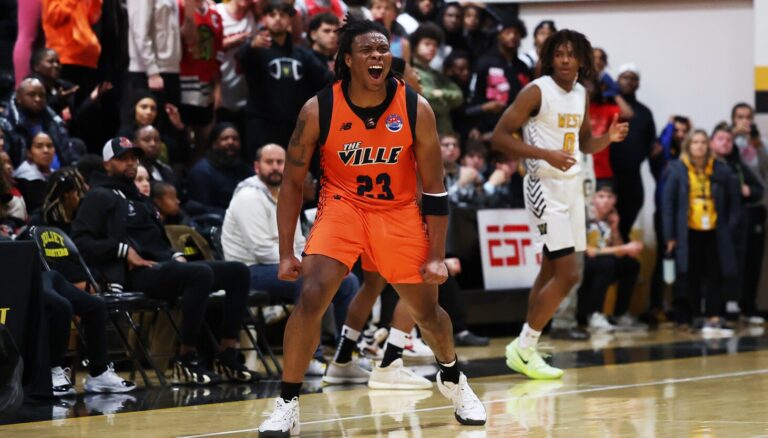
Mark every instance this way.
x=296 y=155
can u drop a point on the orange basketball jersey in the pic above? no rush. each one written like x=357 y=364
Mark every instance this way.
x=366 y=154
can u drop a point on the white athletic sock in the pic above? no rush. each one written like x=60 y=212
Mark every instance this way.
x=529 y=337
x=350 y=333
x=397 y=338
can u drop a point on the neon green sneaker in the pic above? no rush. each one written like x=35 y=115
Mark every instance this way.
x=533 y=367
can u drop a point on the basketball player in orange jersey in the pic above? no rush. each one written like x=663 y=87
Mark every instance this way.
x=373 y=133
x=552 y=113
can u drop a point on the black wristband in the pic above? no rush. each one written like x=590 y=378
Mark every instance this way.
x=434 y=205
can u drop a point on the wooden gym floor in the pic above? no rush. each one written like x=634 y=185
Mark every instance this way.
x=664 y=383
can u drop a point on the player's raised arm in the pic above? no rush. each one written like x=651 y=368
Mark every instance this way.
x=592 y=145
x=434 y=196
x=298 y=156
x=505 y=140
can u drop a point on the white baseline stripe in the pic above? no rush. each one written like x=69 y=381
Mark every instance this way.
x=504 y=400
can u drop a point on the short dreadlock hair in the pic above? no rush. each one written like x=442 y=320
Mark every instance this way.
x=60 y=182
x=347 y=34
x=581 y=47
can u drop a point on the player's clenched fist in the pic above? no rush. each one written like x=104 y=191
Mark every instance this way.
x=434 y=272
x=289 y=269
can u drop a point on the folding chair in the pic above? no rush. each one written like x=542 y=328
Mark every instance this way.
x=188 y=241
x=54 y=245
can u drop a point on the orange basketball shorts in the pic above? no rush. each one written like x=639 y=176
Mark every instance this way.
x=393 y=242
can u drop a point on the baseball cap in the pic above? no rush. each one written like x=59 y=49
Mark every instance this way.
x=119 y=146
x=280 y=5
x=629 y=67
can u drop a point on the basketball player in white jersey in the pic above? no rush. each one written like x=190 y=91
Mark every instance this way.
x=552 y=113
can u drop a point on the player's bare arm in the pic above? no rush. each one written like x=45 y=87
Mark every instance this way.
x=505 y=140
x=430 y=167
x=592 y=145
x=299 y=154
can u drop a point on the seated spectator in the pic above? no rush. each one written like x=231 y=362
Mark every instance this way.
x=323 y=38
x=89 y=164
x=249 y=234
x=15 y=207
x=142 y=112
x=166 y=200
x=442 y=94
x=608 y=260
x=417 y=13
x=61 y=302
x=457 y=68
x=504 y=188
x=147 y=139
x=121 y=238
x=66 y=187
x=464 y=184
x=142 y=180
x=213 y=179
x=540 y=34
x=29 y=114
x=60 y=93
x=386 y=12
x=32 y=174
x=475 y=154
x=700 y=199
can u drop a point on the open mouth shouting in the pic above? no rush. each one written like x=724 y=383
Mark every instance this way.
x=376 y=71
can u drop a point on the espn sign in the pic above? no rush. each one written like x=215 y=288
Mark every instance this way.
x=506 y=249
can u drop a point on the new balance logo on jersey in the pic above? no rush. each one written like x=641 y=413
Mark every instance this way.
x=542 y=228
x=356 y=155
x=346 y=126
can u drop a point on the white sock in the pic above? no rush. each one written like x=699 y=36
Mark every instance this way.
x=529 y=337
x=397 y=338
x=350 y=333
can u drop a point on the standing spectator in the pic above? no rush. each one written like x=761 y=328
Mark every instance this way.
x=32 y=175
x=239 y=25
x=213 y=179
x=323 y=37
x=540 y=34
x=477 y=40
x=386 y=12
x=312 y=8
x=608 y=259
x=457 y=68
x=199 y=71
x=605 y=82
x=601 y=112
x=418 y=12
x=499 y=75
x=442 y=94
x=68 y=27
x=464 y=184
x=60 y=93
x=701 y=199
x=629 y=154
x=755 y=157
x=28 y=17
x=28 y=115
x=147 y=139
x=281 y=77
x=450 y=23
x=119 y=234
x=751 y=191
x=666 y=150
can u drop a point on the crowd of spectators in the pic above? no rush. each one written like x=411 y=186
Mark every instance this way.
x=205 y=96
